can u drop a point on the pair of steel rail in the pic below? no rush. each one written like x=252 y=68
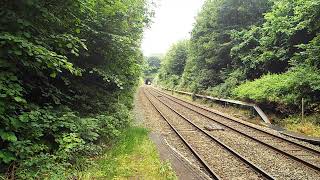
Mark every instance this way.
x=243 y=159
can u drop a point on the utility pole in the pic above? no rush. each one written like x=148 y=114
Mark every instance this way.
x=302 y=110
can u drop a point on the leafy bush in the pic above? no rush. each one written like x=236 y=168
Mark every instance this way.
x=68 y=70
x=262 y=51
x=173 y=64
x=59 y=139
x=269 y=48
x=310 y=53
x=211 y=40
x=285 y=89
x=224 y=89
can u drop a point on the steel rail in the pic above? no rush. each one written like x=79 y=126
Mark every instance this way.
x=246 y=135
x=201 y=160
x=229 y=149
x=276 y=136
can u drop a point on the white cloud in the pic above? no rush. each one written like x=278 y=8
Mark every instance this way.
x=173 y=21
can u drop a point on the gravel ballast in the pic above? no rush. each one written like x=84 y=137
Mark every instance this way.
x=151 y=119
x=225 y=164
x=271 y=161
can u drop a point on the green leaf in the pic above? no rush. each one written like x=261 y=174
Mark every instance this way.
x=6 y=157
x=13 y=78
x=53 y=74
x=17 y=52
x=24 y=118
x=8 y=136
x=77 y=30
x=16 y=123
x=27 y=34
x=69 y=45
x=19 y=99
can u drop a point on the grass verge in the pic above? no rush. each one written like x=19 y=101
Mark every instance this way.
x=309 y=126
x=133 y=157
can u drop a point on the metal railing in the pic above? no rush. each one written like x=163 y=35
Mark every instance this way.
x=251 y=105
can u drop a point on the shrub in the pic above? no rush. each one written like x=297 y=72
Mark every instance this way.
x=285 y=89
x=68 y=70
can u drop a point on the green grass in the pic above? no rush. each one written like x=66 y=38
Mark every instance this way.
x=310 y=126
x=133 y=157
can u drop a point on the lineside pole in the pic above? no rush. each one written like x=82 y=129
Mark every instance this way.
x=302 y=110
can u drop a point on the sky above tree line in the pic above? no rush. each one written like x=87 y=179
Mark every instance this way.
x=172 y=22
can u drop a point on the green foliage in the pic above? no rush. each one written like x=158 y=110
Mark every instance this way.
x=224 y=89
x=175 y=60
x=152 y=66
x=173 y=64
x=309 y=53
x=68 y=70
x=288 y=38
x=134 y=155
x=262 y=51
x=211 y=40
x=270 y=48
x=286 y=90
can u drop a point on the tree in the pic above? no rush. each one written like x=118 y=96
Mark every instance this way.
x=212 y=41
x=153 y=64
x=174 y=62
x=256 y=50
x=67 y=73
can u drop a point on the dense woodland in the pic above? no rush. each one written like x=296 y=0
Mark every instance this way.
x=264 y=51
x=152 y=65
x=68 y=70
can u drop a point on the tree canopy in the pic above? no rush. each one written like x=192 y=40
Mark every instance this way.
x=152 y=66
x=265 y=51
x=67 y=72
x=173 y=64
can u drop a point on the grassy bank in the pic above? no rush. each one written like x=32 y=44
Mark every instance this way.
x=133 y=157
x=309 y=126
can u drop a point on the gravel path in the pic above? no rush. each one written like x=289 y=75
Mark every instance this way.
x=276 y=164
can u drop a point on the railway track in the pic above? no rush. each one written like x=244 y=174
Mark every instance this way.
x=210 y=151
x=296 y=157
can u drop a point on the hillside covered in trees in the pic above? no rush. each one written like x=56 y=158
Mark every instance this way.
x=68 y=70
x=151 y=66
x=264 y=51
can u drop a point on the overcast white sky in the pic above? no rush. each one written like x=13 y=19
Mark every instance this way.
x=172 y=22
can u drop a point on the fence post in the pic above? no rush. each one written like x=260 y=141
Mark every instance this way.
x=302 y=110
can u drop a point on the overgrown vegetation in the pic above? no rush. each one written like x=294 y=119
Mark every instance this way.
x=266 y=51
x=173 y=64
x=152 y=66
x=309 y=125
x=68 y=70
x=133 y=157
